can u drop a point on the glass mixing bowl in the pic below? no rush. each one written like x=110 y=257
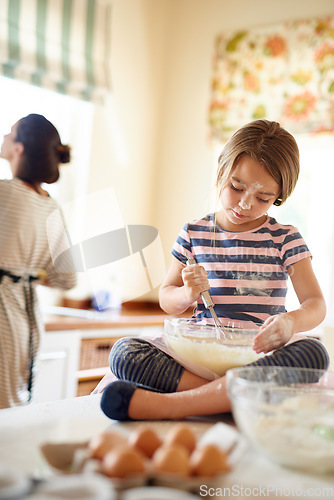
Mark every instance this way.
x=286 y=413
x=197 y=342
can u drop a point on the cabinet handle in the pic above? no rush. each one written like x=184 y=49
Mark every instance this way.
x=104 y=347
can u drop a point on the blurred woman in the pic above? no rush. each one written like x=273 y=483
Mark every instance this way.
x=34 y=151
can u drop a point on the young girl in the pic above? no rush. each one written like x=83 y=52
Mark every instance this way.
x=243 y=257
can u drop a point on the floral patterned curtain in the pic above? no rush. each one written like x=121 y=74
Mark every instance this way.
x=282 y=72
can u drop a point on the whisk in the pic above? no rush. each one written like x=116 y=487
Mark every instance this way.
x=209 y=304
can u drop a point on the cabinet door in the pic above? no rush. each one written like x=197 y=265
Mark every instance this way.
x=57 y=366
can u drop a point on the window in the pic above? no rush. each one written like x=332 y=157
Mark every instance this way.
x=74 y=119
x=310 y=208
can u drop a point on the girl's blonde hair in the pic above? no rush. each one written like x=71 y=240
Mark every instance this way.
x=268 y=143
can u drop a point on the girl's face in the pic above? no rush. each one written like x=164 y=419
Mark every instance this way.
x=248 y=194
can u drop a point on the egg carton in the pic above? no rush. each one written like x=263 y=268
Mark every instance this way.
x=75 y=458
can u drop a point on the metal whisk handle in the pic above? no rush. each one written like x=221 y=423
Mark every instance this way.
x=208 y=302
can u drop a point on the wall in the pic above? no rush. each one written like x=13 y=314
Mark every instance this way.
x=161 y=65
x=124 y=146
x=126 y=130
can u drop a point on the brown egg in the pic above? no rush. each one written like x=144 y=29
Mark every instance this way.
x=171 y=459
x=145 y=440
x=181 y=434
x=100 y=445
x=123 y=461
x=208 y=460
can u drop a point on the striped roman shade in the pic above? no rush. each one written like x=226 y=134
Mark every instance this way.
x=62 y=45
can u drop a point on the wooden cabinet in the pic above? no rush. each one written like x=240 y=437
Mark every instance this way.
x=94 y=353
x=94 y=362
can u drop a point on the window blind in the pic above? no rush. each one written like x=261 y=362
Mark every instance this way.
x=62 y=45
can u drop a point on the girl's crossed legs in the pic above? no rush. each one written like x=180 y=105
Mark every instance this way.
x=153 y=386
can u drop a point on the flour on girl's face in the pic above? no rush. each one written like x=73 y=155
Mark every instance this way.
x=255 y=187
x=252 y=188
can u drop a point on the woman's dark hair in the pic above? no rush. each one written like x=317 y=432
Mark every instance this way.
x=43 y=150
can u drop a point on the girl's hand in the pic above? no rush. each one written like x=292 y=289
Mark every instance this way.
x=195 y=281
x=275 y=332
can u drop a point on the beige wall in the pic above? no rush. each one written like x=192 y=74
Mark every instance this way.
x=161 y=63
x=138 y=38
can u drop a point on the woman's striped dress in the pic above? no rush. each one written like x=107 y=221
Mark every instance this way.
x=24 y=248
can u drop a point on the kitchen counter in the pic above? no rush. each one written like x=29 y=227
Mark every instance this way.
x=130 y=315
x=78 y=419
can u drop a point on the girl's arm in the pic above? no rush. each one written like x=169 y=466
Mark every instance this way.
x=276 y=331
x=182 y=287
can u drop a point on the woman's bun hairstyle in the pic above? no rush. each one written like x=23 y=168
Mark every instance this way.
x=64 y=153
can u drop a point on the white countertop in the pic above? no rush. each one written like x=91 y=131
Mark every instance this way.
x=22 y=430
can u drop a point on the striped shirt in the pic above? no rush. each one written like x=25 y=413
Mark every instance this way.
x=247 y=271
x=24 y=248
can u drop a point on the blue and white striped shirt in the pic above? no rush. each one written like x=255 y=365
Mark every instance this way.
x=247 y=270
